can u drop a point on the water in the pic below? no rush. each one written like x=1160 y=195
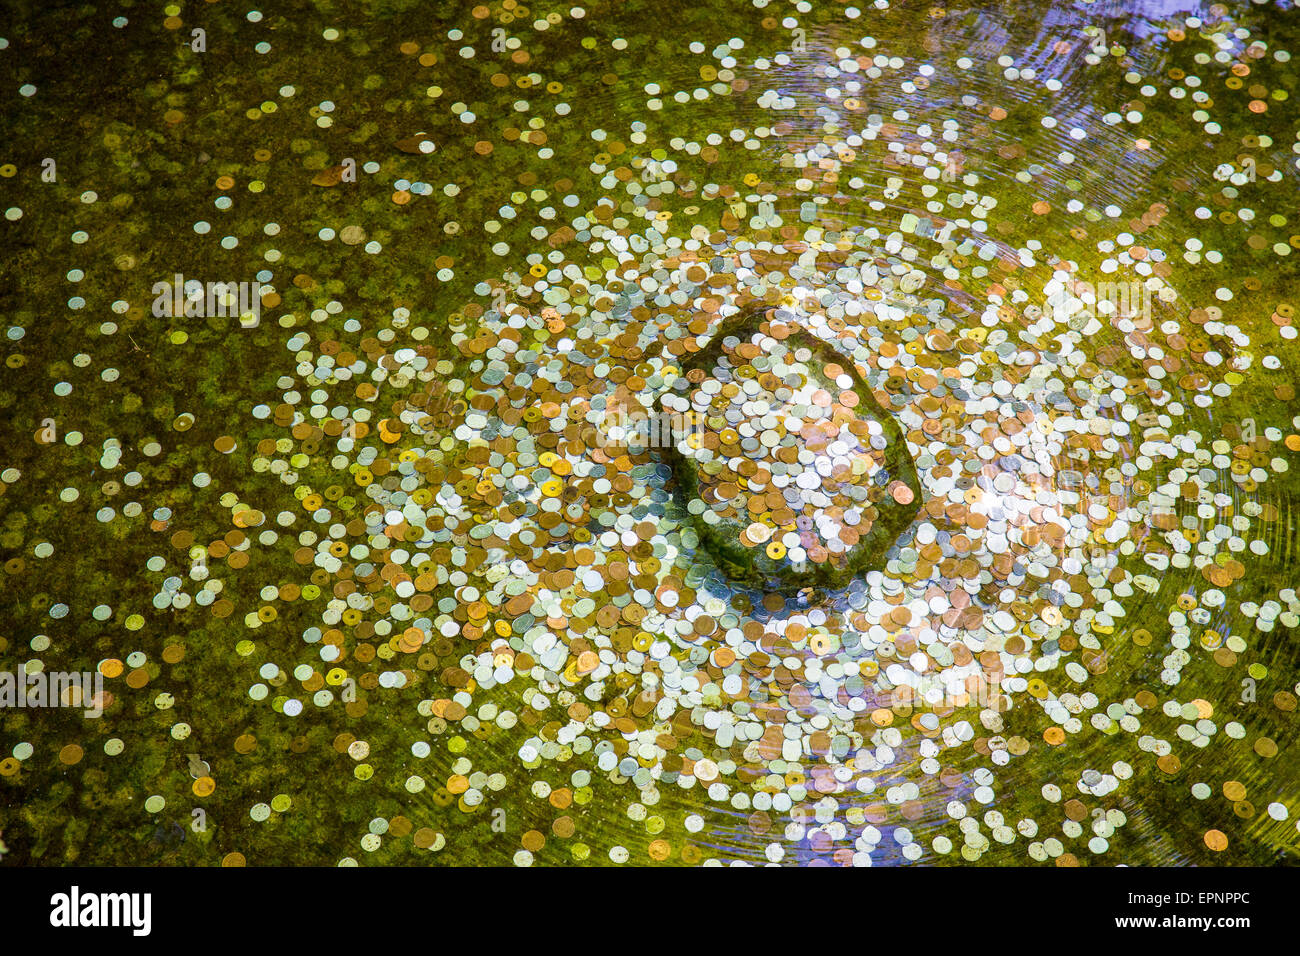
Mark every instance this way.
x=192 y=509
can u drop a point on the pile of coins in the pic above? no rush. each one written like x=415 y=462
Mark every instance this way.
x=789 y=463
